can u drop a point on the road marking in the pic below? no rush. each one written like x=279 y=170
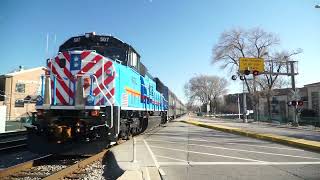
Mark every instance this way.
x=152 y=155
x=241 y=150
x=209 y=154
x=162 y=173
x=236 y=163
x=166 y=157
x=270 y=147
x=213 y=135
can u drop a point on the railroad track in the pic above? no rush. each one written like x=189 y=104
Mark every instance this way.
x=13 y=141
x=50 y=167
x=12 y=134
x=46 y=167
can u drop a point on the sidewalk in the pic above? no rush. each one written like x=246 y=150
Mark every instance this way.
x=123 y=164
x=301 y=132
x=294 y=137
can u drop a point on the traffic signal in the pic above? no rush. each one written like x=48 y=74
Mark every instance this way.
x=293 y=103
x=246 y=72
x=255 y=73
x=300 y=103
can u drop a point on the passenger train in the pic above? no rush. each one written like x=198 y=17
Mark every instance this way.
x=97 y=92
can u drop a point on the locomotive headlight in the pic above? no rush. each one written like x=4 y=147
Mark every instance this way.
x=95 y=113
x=90 y=100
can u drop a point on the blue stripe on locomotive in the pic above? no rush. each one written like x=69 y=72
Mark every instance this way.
x=136 y=92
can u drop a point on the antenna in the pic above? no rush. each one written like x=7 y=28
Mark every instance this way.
x=54 y=44
x=47 y=48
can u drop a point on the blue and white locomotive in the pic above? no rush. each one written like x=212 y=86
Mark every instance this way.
x=96 y=91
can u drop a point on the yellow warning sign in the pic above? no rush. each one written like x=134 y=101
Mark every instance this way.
x=251 y=64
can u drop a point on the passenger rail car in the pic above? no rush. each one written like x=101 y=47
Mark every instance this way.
x=97 y=91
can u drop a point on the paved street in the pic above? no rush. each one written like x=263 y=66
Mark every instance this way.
x=185 y=151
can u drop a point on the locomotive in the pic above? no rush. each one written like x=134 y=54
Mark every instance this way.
x=96 y=92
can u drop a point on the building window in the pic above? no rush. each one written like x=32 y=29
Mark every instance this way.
x=19 y=103
x=315 y=97
x=20 y=87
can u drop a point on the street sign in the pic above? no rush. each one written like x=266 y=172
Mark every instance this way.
x=295 y=94
x=251 y=64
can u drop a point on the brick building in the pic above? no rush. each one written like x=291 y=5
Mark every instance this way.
x=280 y=111
x=19 y=90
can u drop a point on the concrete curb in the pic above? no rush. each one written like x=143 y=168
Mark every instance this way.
x=301 y=143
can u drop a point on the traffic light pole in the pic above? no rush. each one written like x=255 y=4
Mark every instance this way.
x=255 y=99
x=244 y=104
x=293 y=84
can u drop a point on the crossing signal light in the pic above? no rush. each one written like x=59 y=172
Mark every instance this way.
x=246 y=72
x=295 y=103
x=255 y=73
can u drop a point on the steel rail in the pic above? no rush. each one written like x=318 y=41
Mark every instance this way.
x=21 y=167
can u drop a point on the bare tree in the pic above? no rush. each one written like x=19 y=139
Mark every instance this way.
x=205 y=89
x=255 y=42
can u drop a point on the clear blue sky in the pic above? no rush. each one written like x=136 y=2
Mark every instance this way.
x=174 y=37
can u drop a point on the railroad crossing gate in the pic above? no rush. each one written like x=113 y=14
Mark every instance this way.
x=251 y=64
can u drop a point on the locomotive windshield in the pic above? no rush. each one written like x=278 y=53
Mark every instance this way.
x=107 y=46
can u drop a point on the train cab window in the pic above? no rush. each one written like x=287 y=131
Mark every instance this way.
x=133 y=60
x=114 y=53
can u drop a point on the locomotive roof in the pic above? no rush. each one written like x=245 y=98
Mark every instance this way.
x=90 y=38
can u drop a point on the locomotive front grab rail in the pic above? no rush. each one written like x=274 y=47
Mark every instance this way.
x=98 y=86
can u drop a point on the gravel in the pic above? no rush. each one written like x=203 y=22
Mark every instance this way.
x=92 y=171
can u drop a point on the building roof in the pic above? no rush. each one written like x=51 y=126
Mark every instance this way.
x=22 y=71
x=313 y=84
